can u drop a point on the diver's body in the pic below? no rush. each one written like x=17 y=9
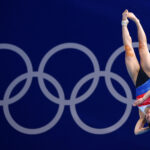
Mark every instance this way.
x=139 y=73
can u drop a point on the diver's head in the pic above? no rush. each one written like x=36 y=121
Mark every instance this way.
x=147 y=114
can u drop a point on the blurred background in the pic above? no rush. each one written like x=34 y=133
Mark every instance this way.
x=36 y=27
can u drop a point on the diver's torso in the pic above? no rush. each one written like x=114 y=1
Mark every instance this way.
x=142 y=86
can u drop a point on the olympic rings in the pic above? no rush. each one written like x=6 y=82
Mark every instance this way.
x=60 y=100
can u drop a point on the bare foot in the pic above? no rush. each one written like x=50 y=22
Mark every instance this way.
x=125 y=15
x=132 y=17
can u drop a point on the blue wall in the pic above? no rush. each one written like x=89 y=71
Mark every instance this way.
x=36 y=27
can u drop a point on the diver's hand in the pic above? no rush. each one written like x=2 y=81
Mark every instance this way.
x=138 y=102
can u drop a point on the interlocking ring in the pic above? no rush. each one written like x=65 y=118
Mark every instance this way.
x=67 y=46
x=60 y=100
x=116 y=125
x=52 y=123
x=27 y=61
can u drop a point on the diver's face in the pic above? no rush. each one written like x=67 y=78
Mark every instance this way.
x=148 y=115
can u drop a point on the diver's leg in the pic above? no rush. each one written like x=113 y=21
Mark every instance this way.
x=130 y=57
x=143 y=48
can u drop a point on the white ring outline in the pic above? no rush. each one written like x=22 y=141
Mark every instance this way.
x=66 y=46
x=119 y=123
x=39 y=130
x=24 y=56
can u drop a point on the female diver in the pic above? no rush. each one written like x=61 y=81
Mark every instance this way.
x=139 y=73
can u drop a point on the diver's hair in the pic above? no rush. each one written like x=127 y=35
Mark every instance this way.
x=148 y=121
x=147 y=108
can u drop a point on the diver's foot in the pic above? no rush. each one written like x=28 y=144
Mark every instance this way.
x=125 y=15
x=132 y=17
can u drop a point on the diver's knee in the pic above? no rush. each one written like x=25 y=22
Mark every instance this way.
x=142 y=45
x=129 y=50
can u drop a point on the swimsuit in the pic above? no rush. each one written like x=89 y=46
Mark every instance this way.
x=142 y=86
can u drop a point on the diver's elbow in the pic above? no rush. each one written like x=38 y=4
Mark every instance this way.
x=136 y=132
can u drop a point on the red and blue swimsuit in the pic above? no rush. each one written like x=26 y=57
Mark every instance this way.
x=142 y=86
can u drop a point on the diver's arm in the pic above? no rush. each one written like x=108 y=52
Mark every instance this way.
x=139 y=128
x=147 y=95
x=141 y=100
